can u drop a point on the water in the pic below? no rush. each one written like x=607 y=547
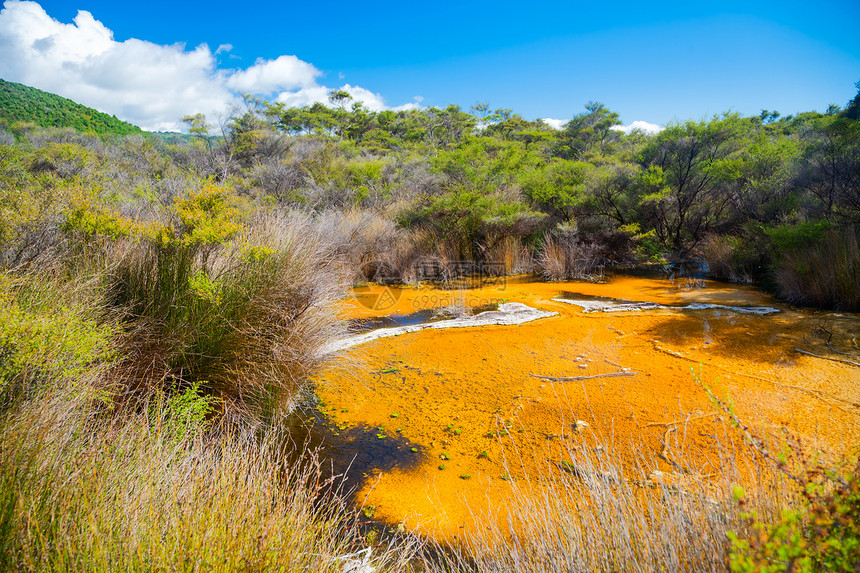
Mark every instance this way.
x=499 y=401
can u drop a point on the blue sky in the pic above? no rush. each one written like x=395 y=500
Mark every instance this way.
x=649 y=61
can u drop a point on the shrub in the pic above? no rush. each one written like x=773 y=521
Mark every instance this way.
x=44 y=338
x=727 y=258
x=822 y=533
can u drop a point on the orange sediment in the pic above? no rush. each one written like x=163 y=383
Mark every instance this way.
x=433 y=424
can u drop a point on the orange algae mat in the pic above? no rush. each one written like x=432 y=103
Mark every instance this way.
x=430 y=426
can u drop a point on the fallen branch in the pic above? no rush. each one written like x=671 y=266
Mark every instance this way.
x=673 y=353
x=823 y=396
x=827 y=357
x=664 y=455
x=830 y=346
x=611 y=363
x=568 y=378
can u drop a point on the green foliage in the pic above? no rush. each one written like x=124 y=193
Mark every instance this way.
x=797 y=235
x=208 y=216
x=20 y=103
x=182 y=415
x=43 y=340
x=559 y=186
x=821 y=534
x=91 y=219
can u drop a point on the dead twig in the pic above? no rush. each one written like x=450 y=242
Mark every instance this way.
x=677 y=422
x=664 y=455
x=567 y=378
x=823 y=396
x=830 y=346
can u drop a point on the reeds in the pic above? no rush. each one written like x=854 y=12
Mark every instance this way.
x=721 y=254
x=592 y=506
x=826 y=274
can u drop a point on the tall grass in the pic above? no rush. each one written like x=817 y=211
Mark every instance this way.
x=94 y=479
x=149 y=491
x=244 y=318
x=592 y=507
x=825 y=274
x=723 y=257
x=566 y=257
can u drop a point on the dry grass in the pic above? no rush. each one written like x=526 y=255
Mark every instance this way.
x=511 y=256
x=719 y=253
x=148 y=491
x=591 y=507
x=566 y=257
x=246 y=319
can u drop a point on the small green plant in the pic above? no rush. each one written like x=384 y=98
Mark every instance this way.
x=441 y=466
x=368 y=511
x=820 y=533
x=444 y=456
x=187 y=413
x=395 y=415
x=465 y=476
x=413 y=449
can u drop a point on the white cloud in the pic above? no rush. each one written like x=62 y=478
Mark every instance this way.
x=148 y=84
x=649 y=128
x=317 y=93
x=555 y=123
x=266 y=76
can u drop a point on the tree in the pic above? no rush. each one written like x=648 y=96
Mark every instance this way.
x=830 y=171
x=685 y=169
x=589 y=130
x=558 y=187
x=339 y=98
x=852 y=110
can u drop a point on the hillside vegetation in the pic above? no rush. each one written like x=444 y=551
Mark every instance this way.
x=20 y=103
x=163 y=303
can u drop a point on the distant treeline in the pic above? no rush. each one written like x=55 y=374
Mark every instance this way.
x=20 y=103
x=765 y=198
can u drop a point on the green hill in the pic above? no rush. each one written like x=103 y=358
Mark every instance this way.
x=20 y=103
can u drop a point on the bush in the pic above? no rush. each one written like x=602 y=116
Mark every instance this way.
x=821 y=534
x=44 y=338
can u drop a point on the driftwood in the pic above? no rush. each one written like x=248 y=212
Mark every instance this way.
x=568 y=378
